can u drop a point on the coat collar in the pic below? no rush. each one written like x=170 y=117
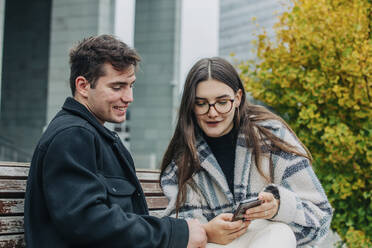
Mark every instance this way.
x=79 y=109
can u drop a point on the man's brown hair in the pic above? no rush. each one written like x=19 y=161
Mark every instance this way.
x=89 y=56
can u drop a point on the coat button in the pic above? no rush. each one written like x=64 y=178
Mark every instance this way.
x=114 y=189
x=139 y=194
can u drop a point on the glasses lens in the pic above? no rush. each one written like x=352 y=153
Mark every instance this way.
x=223 y=106
x=201 y=108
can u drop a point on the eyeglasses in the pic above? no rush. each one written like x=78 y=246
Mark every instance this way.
x=222 y=106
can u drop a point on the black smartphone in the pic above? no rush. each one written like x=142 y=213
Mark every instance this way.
x=244 y=205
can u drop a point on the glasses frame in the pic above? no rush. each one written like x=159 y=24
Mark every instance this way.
x=213 y=105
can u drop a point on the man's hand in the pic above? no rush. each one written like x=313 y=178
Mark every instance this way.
x=221 y=229
x=197 y=235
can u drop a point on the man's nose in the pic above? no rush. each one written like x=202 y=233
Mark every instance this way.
x=127 y=95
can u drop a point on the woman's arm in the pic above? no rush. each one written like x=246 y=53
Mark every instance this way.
x=220 y=230
x=192 y=206
x=303 y=202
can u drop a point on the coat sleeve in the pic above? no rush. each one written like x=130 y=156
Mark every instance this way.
x=76 y=200
x=303 y=202
x=192 y=206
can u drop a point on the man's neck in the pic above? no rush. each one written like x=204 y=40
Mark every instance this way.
x=83 y=101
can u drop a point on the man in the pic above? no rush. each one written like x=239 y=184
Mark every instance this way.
x=82 y=190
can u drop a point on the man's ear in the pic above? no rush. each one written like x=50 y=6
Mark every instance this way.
x=82 y=86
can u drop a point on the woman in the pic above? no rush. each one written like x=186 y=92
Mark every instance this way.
x=225 y=150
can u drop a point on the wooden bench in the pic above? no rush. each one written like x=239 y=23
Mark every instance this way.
x=13 y=177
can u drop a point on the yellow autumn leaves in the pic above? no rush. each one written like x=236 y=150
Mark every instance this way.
x=318 y=76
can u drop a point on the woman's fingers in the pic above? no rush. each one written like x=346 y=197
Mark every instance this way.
x=225 y=220
x=266 y=210
x=265 y=196
x=264 y=214
x=265 y=206
x=226 y=216
x=239 y=232
x=235 y=226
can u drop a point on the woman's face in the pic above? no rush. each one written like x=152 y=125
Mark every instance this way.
x=219 y=120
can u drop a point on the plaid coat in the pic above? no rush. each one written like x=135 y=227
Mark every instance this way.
x=303 y=203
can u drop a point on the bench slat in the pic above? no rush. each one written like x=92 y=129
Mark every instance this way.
x=11 y=206
x=12 y=186
x=14 y=164
x=19 y=186
x=151 y=188
x=157 y=202
x=13 y=172
x=16 y=206
x=16 y=241
x=151 y=176
x=11 y=224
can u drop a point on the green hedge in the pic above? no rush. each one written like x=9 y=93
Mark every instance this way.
x=318 y=76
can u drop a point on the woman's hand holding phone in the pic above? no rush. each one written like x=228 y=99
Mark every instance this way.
x=222 y=230
x=267 y=210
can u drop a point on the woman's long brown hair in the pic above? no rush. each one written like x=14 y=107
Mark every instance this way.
x=182 y=147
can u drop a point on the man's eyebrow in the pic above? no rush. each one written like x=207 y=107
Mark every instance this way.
x=122 y=82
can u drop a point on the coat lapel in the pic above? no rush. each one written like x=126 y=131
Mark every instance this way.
x=243 y=158
x=213 y=172
x=125 y=156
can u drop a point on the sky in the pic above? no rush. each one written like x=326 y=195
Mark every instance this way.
x=199 y=29
x=199 y=32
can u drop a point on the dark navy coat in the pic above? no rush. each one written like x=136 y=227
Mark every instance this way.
x=82 y=190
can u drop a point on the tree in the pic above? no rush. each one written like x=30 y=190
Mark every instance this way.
x=318 y=76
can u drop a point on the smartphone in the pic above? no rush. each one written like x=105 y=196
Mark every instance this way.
x=243 y=206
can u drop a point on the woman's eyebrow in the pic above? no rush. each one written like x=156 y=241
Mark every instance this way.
x=218 y=97
x=223 y=96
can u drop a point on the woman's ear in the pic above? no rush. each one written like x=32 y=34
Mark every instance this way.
x=238 y=97
x=82 y=86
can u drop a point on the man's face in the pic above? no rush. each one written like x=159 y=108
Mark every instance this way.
x=113 y=93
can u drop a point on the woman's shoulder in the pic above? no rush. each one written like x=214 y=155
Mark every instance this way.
x=272 y=124
x=280 y=130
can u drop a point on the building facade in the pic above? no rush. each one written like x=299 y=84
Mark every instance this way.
x=37 y=36
x=242 y=20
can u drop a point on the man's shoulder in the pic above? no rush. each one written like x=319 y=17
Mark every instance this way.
x=65 y=121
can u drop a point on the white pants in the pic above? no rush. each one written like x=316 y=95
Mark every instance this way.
x=263 y=234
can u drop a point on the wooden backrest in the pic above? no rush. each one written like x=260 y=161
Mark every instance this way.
x=13 y=177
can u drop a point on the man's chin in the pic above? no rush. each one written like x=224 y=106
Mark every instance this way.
x=117 y=120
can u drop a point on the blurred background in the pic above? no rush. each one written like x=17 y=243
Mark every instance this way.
x=170 y=35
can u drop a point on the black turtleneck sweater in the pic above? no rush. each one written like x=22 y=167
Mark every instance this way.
x=223 y=149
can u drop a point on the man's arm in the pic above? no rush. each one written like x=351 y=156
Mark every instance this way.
x=76 y=200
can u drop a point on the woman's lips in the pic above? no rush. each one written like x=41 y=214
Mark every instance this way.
x=212 y=123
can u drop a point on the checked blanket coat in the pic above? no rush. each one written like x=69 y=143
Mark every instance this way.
x=303 y=203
